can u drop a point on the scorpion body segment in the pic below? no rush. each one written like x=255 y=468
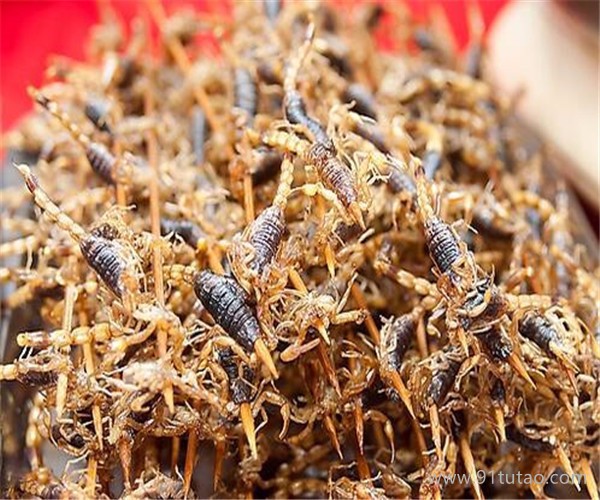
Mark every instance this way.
x=245 y=92
x=188 y=231
x=295 y=112
x=337 y=177
x=266 y=166
x=540 y=330
x=442 y=380
x=364 y=102
x=241 y=390
x=54 y=213
x=396 y=337
x=265 y=236
x=442 y=244
x=399 y=182
x=96 y=111
x=432 y=161
x=224 y=299
x=102 y=161
x=39 y=370
x=521 y=439
x=496 y=343
x=373 y=135
x=103 y=256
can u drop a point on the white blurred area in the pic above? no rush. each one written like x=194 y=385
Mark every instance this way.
x=543 y=50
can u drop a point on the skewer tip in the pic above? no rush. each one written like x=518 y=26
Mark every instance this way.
x=356 y=214
x=566 y=465
x=519 y=367
x=264 y=355
x=330 y=428
x=248 y=426
x=499 y=414
x=169 y=398
x=330 y=260
x=320 y=326
x=190 y=461
x=467 y=456
x=400 y=387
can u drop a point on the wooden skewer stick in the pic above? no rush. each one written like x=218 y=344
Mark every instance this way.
x=62 y=382
x=151 y=141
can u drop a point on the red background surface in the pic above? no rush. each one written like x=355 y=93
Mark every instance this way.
x=31 y=31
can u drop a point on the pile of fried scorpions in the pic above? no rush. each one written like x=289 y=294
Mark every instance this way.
x=263 y=257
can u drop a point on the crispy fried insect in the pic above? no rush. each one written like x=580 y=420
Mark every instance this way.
x=541 y=331
x=108 y=258
x=442 y=243
x=225 y=300
x=293 y=105
x=265 y=236
x=373 y=135
x=96 y=109
x=396 y=337
x=443 y=378
x=487 y=221
x=266 y=233
x=266 y=165
x=400 y=182
x=295 y=112
x=158 y=486
x=368 y=130
x=102 y=161
x=364 y=102
x=41 y=483
x=187 y=230
x=71 y=437
x=241 y=391
x=496 y=342
x=472 y=252
x=337 y=177
x=103 y=257
x=101 y=332
x=40 y=370
x=333 y=172
x=245 y=93
x=316 y=313
x=432 y=159
x=532 y=444
x=444 y=367
x=239 y=376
